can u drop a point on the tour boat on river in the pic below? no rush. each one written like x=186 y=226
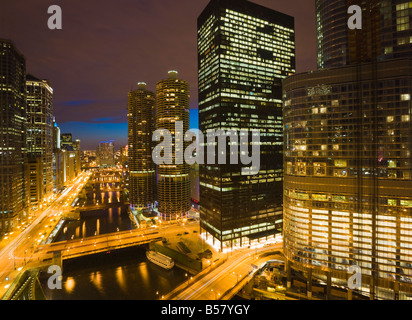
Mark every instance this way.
x=160 y=260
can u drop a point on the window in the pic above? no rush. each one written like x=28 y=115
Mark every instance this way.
x=341 y=163
x=405 y=97
x=319 y=169
x=406 y=203
x=320 y=197
x=301 y=168
x=392 y=202
x=340 y=173
x=289 y=168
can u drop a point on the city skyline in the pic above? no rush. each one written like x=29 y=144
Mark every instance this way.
x=89 y=94
x=232 y=150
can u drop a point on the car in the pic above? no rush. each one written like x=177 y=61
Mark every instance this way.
x=186 y=233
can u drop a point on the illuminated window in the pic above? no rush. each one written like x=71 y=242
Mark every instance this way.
x=406 y=203
x=289 y=168
x=392 y=164
x=341 y=163
x=340 y=173
x=320 y=197
x=406 y=97
x=301 y=168
x=319 y=169
x=339 y=198
x=392 y=202
x=406 y=118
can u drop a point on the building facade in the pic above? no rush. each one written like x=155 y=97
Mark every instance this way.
x=40 y=134
x=347 y=158
x=244 y=52
x=13 y=130
x=386 y=32
x=142 y=169
x=173 y=180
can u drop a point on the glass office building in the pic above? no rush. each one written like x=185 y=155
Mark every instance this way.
x=386 y=32
x=141 y=124
x=244 y=52
x=348 y=167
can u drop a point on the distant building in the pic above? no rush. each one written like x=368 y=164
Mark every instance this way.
x=66 y=141
x=89 y=159
x=105 y=154
x=69 y=164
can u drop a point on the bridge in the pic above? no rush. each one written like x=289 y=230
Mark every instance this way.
x=106 y=175
x=82 y=247
x=73 y=249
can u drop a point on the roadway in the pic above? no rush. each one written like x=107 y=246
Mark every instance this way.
x=18 y=248
x=236 y=271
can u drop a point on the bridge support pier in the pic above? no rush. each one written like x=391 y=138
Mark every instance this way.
x=58 y=260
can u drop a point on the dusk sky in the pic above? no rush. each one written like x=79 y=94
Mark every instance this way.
x=106 y=47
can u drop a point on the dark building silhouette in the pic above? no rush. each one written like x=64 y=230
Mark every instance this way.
x=13 y=131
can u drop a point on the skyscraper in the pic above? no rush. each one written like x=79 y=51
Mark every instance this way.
x=173 y=185
x=386 y=32
x=13 y=145
x=142 y=169
x=348 y=143
x=40 y=134
x=244 y=52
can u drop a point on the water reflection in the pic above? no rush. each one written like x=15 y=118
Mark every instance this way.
x=127 y=276
x=98 y=222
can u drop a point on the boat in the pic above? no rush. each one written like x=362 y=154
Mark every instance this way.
x=160 y=259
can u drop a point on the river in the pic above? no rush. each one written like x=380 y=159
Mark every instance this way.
x=122 y=275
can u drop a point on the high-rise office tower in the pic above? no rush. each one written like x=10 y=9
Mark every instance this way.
x=13 y=145
x=348 y=167
x=40 y=137
x=173 y=182
x=244 y=52
x=142 y=169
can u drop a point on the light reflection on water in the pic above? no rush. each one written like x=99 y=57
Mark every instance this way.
x=125 y=275
x=128 y=276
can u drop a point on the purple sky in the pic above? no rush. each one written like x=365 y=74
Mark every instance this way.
x=106 y=47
